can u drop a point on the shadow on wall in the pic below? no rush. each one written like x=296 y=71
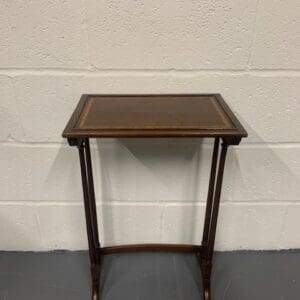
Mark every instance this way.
x=64 y=176
x=261 y=171
x=260 y=186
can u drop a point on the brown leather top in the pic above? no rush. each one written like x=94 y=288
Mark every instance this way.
x=153 y=116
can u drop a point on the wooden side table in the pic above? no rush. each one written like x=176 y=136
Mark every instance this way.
x=155 y=116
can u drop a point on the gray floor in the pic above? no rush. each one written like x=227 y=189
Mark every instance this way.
x=145 y=276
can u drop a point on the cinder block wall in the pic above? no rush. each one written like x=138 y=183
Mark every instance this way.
x=149 y=191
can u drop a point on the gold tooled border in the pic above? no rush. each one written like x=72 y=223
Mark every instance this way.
x=226 y=121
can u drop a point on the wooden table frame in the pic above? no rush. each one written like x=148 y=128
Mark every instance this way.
x=204 y=251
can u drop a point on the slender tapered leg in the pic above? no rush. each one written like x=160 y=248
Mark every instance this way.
x=90 y=215
x=211 y=217
x=216 y=204
x=211 y=190
x=92 y=197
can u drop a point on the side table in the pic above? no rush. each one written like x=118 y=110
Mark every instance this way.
x=154 y=116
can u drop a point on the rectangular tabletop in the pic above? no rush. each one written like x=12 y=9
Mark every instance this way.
x=153 y=116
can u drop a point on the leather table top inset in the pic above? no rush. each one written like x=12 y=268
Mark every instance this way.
x=153 y=116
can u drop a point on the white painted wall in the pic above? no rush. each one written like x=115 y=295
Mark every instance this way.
x=149 y=191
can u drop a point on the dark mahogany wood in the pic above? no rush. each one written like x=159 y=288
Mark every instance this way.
x=90 y=215
x=151 y=248
x=91 y=193
x=141 y=116
x=212 y=211
x=205 y=115
x=210 y=196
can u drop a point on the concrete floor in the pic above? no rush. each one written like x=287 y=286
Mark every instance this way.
x=145 y=276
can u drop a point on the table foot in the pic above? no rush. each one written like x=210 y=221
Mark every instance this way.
x=95 y=292
x=207 y=295
x=95 y=272
x=206 y=266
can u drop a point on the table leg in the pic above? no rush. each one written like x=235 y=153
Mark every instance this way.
x=92 y=197
x=211 y=217
x=211 y=190
x=90 y=214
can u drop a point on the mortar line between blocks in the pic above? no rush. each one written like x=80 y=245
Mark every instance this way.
x=145 y=72
x=164 y=204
